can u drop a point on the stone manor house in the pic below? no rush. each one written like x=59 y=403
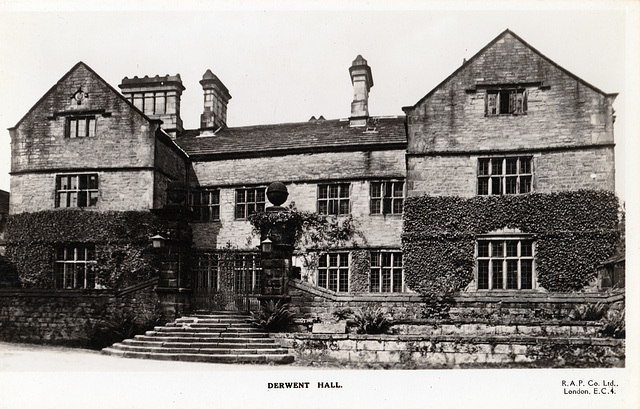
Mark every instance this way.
x=508 y=123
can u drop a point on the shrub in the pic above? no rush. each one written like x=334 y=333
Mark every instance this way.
x=614 y=324
x=122 y=325
x=589 y=312
x=343 y=314
x=306 y=229
x=273 y=317
x=370 y=320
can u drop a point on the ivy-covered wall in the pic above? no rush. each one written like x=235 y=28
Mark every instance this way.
x=360 y=271
x=573 y=232
x=121 y=241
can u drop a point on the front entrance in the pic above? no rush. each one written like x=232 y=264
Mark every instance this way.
x=226 y=281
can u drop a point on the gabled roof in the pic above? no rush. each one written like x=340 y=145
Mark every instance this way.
x=483 y=50
x=65 y=76
x=303 y=137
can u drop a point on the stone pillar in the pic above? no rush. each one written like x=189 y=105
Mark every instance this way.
x=276 y=247
x=174 y=286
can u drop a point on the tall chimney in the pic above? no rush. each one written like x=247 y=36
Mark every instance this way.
x=158 y=97
x=362 y=81
x=216 y=98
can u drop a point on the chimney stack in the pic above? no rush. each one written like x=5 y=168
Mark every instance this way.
x=362 y=81
x=216 y=98
x=158 y=98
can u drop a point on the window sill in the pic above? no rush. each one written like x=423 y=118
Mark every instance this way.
x=503 y=115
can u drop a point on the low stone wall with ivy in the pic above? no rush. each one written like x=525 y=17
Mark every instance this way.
x=573 y=233
x=314 y=303
x=123 y=251
x=82 y=318
x=451 y=351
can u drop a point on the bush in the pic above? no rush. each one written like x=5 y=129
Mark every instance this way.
x=122 y=325
x=614 y=324
x=273 y=317
x=343 y=314
x=370 y=320
x=589 y=312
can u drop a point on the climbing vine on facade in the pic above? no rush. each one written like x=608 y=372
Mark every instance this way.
x=121 y=241
x=573 y=232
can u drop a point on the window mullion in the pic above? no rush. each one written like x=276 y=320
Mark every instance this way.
x=519 y=265
x=503 y=176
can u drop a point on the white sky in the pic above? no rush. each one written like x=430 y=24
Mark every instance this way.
x=284 y=65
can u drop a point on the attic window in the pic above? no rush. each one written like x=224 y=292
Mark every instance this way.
x=512 y=101
x=80 y=127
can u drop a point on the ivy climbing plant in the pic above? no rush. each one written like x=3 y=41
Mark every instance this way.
x=121 y=241
x=573 y=231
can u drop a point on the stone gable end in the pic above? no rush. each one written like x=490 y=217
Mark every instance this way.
x=562 y=110
x=122 y=137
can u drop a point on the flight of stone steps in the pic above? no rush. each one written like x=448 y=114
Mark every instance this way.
x=219 y=337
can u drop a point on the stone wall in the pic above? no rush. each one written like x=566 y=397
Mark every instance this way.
x=123 y=137
x=121 y=151
x=379 y=230
x=70 y=317
x=568 y=126
x=334 y=166
x=433 y=352
x=171 y=165
x=456 y=175
x=410 y=309
x=118 y=190
x=562 y=109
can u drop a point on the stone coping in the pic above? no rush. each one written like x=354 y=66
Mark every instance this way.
x=44 y=292
x=481 y=339
x=462 y=297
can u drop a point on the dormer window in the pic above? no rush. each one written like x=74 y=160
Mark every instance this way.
x=509 y=101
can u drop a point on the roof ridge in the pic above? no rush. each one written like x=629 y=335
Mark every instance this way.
x=300 y=123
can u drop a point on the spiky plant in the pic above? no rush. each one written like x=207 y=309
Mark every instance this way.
x=273 y=317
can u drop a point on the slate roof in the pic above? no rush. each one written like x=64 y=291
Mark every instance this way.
x=304 y=137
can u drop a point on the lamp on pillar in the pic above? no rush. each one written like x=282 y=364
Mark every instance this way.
x=158 y=241
x=266 y=246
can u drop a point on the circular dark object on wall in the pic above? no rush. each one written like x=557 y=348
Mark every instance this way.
x=277 y=193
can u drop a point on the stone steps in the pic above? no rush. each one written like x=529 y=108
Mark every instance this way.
x=199 y=338
x=196 y=349
x=220 y=358
x=197 y=344
x=226 y=337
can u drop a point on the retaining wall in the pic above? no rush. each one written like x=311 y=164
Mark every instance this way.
x=69 y=317
x=508 y=307
x=451 y=351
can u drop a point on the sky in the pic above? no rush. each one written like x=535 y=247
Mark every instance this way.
x=285 y=65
